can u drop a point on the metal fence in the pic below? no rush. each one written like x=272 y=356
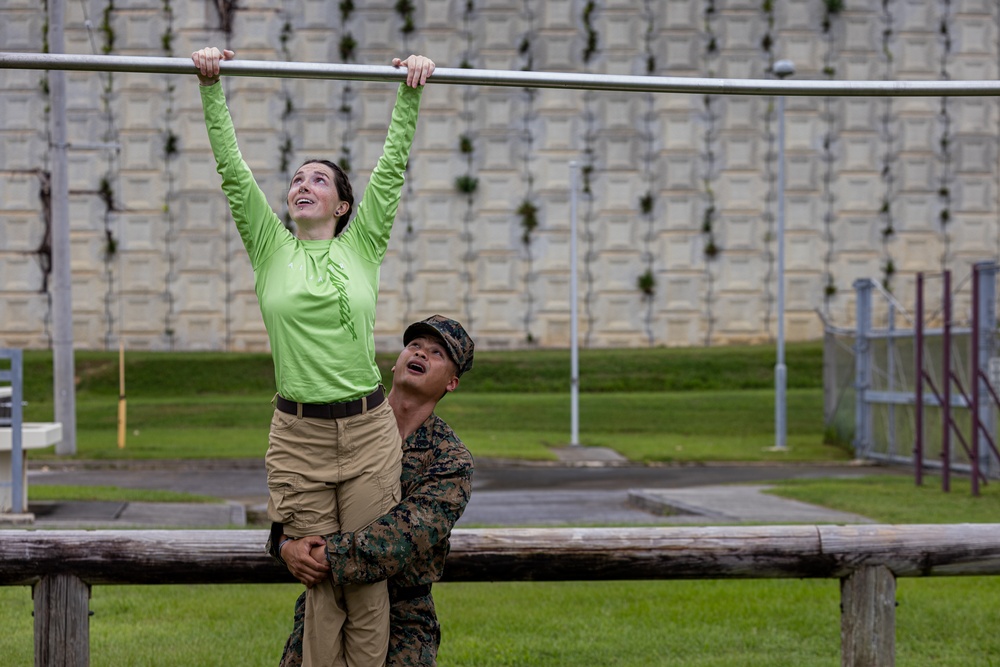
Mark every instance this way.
x=895 y=405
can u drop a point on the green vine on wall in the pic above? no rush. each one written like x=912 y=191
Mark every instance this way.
x=591 y=41
x=408 y=254
x=347 y=46
x=887 y=129
x=107 y=30
x=528 y=210
x=43 y=251
x=709 y=140
x=590 y=33
x=770 y=166
x=588 y=174
x=105 y=189
x=171 y=149
x=405 y=9
x=468 y=183
x=944 y=153
x=168 y=35
x=286 y=144
x=828 y=151
x=646 y=282
x=831 y=9
x=226 y=9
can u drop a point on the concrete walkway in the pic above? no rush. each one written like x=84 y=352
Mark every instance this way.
x=585 y=486
x=735 y=504
x=103 y=514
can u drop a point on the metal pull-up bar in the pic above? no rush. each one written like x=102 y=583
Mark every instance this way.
x=486 y=77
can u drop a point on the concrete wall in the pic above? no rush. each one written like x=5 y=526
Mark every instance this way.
x=857 y=167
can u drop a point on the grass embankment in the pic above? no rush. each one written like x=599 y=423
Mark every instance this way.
x=649 y=404
x=51 y=492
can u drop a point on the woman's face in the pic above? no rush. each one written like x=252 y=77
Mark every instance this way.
x=312 y=196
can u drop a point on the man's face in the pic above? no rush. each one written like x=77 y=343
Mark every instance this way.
x=425 y=367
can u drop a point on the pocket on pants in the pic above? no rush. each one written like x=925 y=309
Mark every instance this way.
x=388 y=481
x=282 y=421
x=284 y=496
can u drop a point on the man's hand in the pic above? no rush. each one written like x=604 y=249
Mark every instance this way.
x=418 y=68
x=207 y=61
x=306 y=559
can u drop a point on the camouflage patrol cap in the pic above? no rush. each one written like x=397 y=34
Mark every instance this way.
x=458 y=343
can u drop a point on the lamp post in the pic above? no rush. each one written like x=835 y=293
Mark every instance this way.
x=63 y=374
x=781 y=69
x=574 y=385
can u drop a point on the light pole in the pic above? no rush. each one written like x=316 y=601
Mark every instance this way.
x=574 y=384
x=63 y=373
x=781 y=69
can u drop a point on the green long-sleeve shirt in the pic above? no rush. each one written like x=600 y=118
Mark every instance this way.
x=317 y=298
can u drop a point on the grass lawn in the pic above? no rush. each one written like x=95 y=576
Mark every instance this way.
x=646 y=426
x=940 y=621
x=777 y=623
x=659 y=405
x=46 y=492
x=643 y=426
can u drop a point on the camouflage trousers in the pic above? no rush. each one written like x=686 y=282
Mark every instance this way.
x=414 y=634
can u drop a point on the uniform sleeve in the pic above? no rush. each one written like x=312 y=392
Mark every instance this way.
x=369 y=232
x=411 y=530
x=257 y=223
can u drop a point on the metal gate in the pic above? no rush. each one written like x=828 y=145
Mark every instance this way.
x=918 y=386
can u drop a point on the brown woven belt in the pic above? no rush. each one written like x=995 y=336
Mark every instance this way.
x=332 y=410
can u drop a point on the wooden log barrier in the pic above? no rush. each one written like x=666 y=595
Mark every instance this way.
x=525 y=554
x=865 y=558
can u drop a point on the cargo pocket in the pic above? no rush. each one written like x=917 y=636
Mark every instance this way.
x=388 y=482
x=284 y=498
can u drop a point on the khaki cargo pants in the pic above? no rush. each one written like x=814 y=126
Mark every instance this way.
x=337 y=475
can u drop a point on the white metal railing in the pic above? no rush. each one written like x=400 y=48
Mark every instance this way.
x=520 y=79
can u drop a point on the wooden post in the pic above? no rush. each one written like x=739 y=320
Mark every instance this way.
x=868 y=618
x=122 y=417
x=62 y=621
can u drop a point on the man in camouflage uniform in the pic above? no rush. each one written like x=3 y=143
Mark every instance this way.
x=408 y=545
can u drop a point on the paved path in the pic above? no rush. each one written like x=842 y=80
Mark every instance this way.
x=745 y=503
x=588 y=486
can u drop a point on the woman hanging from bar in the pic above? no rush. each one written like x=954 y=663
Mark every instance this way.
x=333 y=460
